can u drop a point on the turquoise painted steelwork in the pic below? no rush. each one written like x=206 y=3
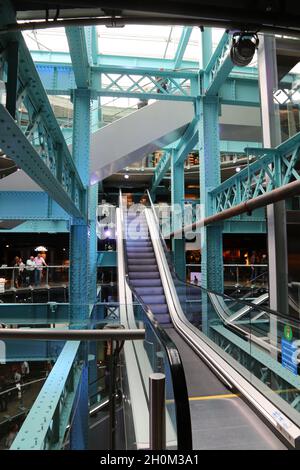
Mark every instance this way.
x=275 y=168
x=148 y=84
x=82 y=259
x=40 y=226
x=161 y=169
x=78 y=47
x=210 y=174
x=180 y=150
x=219 y=66
x=45 y=425
x=80 y=230
x=182 y=45
x=79 y=431
x=52 y=165
x=105 y=60
x=187 y=142
x=29 y=205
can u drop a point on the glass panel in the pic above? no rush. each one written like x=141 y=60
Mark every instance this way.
x=263 y=346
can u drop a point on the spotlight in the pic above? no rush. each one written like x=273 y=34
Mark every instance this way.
x=244 y=45
x=126 y=176
x=238 y=169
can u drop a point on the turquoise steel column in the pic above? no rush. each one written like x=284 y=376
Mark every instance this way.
x=80 y=232
x=207 y=108
x=79 y=262
x=211 y=236
x=177 y=198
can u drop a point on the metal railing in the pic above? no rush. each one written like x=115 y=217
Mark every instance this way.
x=16 y=277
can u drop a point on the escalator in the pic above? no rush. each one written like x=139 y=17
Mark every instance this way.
x=221 y=419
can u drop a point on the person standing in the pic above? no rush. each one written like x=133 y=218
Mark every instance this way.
x=16 y=273
x=39 y=263
x=30 y=268
x=25 y=371
x=21 y=273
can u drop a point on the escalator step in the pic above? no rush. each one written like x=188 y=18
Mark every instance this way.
x=148 y=290
x=159 y=308
x=156 y=282
x=142 y=268
x=144 y=276
x=139 y=254
x=140 y=250
x=140 y=261
x=163 y=319
x=154 y=299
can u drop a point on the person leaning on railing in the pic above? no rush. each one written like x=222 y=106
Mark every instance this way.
x=39 y=263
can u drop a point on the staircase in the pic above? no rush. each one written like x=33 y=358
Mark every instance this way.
x=143 y=271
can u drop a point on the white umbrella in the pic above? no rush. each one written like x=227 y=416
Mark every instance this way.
x=40 y=248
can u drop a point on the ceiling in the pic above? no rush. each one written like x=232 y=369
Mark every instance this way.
x=251 y=14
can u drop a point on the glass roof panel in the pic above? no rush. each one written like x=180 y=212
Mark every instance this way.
x=139 y=41
x=53 y=39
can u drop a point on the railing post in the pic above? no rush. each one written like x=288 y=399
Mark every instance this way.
x=47 y=276
x=157 y=413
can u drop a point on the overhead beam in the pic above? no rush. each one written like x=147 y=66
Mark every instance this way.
x=78 y=47
x=238 y=89
x=29 y=205
x=182 y=45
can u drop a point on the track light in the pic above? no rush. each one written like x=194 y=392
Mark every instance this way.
x=244 y=45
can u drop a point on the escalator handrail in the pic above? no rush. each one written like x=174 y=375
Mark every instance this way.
x=212 y=292
x=181 y=400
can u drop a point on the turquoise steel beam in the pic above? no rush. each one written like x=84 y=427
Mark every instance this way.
x=106 y=60
x=30 y=205
x=65 y=189
x=182 y=45
x=52 y=167
x=40 y=226
x=219 y=66
x=76 y=36
x=240 y=91
x=206 y=46
x=184 y=146
x=45 y=425
x=94 y=45
x=187 y=142
x=155 y=84
x=239 y=88
x=161 y=169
